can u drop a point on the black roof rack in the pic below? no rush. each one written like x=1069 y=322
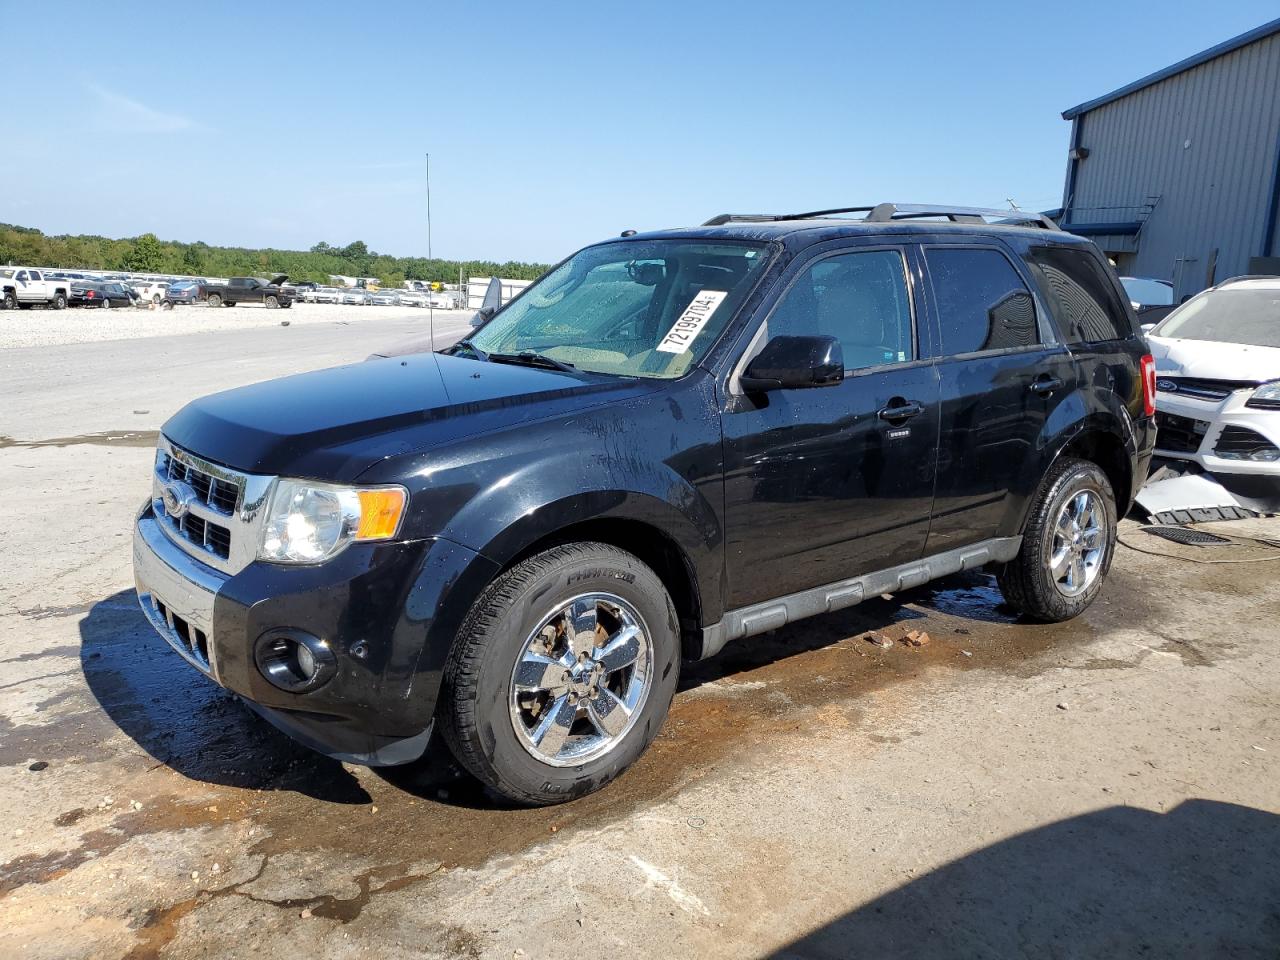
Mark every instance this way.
x=888 y=212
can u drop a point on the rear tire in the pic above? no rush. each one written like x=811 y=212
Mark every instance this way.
x=507 y=735
x=1067 y=545
x=59 y=302
x=106 y=303
x=215 y=300
x=10 y=300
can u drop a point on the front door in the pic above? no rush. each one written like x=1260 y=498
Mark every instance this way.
x=827 y=483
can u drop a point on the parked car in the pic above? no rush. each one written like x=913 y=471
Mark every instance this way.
x=22 y=287
x=413 y=298
x=1218 y=381
x=150 y=291
x=325 y=295
x=1151 y=299
x=384 y=298
x=767 y=418
x=354 y=296
x=183 y=293
x=102 y=294
x=270 y=293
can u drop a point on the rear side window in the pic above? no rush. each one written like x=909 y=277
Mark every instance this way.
x=982 y=302
x=1080 y=294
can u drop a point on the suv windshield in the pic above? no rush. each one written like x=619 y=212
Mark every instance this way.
x=1227 y=316
x=647 y=308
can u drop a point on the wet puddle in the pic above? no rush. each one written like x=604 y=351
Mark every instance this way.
x=107 y=438
x=804 y=679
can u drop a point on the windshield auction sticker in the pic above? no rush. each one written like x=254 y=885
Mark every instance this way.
x=691 y=322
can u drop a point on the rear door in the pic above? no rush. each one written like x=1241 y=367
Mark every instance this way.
x=1002 y=375
x=832 y=482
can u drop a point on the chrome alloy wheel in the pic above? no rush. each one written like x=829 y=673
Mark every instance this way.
x=581 y=680
x=1079 y=542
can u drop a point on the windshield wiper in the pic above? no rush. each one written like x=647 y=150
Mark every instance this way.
x=467 y=344
x=530 y=359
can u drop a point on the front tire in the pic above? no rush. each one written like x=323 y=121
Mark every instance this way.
x=1067 y=546
x=272 y=303
x=561 y=674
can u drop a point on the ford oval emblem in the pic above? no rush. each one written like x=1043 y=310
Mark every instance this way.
x=178 y=498
x=1167 y=386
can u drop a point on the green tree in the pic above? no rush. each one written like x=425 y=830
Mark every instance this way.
x=146 y=255
x=192 y=262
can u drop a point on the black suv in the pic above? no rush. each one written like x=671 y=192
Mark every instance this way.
x=671 y=441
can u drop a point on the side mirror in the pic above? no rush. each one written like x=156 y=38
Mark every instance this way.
x=483 y=315
x=792 y=363
x=1148 y=327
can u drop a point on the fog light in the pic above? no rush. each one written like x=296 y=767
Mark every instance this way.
x=295 y=661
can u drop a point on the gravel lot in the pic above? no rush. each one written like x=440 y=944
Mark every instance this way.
x=1108 y=787
x=36 y=327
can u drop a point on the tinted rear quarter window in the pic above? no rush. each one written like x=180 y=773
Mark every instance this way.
x=1080 y=295
x=981 y=300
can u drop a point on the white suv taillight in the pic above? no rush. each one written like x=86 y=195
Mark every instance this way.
x=1149 y=384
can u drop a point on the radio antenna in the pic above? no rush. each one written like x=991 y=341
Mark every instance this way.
x=431 y=308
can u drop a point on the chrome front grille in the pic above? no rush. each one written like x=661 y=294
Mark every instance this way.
x=221 y=494
x=1214 y=391
x=210 y=511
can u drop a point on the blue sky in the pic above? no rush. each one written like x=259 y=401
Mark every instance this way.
x=551 y=125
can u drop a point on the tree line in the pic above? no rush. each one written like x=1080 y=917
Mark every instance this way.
x=147 y=254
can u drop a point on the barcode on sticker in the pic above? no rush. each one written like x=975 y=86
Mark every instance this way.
x=691 y=322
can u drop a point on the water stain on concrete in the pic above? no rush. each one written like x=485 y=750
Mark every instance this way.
x=106 y=438
x=805 y=679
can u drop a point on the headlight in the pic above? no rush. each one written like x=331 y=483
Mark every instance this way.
x=308 y=522
x=1266 y=397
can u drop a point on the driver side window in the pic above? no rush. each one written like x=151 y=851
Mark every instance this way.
x=860 y=299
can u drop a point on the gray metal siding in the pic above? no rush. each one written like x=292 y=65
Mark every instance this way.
x=1212 y=193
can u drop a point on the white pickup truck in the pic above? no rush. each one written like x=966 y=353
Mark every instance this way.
x=23 y=286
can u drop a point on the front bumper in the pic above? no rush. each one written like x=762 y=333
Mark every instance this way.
x=1197 y=440
x=402 y=602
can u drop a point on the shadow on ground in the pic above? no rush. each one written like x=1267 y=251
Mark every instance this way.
x=185 y=720
x=203 y=732
x=1200 y=881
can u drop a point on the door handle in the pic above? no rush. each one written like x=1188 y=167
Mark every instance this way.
x=898 y=412
x=1046 y=385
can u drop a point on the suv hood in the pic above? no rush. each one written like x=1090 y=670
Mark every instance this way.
x=334 y=424
x=1211 y=360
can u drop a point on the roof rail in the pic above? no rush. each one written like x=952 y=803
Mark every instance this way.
x=1245 y=276
x=888 y=212
x=724 y=218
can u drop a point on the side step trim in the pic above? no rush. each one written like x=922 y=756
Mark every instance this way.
x=772 y=614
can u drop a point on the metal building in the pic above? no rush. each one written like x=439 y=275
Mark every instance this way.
x=1177 y=175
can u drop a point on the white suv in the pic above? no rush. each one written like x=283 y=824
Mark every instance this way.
x=1218 y=378
x=23 y=286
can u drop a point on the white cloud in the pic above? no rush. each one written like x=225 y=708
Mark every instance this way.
x=121 y=111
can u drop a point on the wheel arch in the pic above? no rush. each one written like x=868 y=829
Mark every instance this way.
x=1107 y=450
x=654 y=547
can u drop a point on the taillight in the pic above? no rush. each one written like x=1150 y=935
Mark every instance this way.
x=1149 y=384
x=88 y=294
